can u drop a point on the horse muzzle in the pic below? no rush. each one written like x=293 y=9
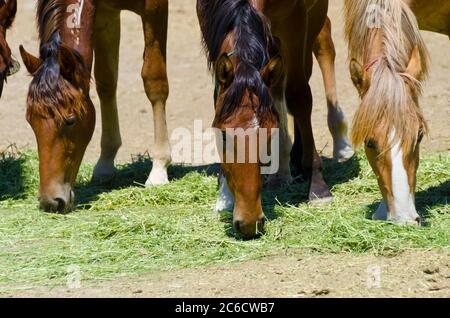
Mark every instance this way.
x=13 y=68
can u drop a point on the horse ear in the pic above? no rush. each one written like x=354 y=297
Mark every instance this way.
x=224 y=71
x=31 y=62
x=415 y=64
x=8 y=13
x=358 y=75
x=68 y=63
x=273 y=71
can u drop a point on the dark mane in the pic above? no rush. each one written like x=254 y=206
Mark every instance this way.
x=253 y=42
x=8 y=12
x=50 y=94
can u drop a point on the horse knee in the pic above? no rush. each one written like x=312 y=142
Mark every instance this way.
x=106 y=91
x=299 y=101
x=156 y=84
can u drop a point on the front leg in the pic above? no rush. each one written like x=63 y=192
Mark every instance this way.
x=299 y=100
x=107 y=42
x=283 y=176
x=154 y=75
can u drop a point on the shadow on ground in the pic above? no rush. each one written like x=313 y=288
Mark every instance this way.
x=11 y=175
x=294 y=194
x=134 y=174
x=334 y=173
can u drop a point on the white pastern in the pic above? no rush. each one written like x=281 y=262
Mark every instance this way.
x=405 y=209
x=342 y=148
x=225 y=200
x=158 y=175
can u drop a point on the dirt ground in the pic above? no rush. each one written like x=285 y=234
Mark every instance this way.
x=410 y=274
x=413 y=274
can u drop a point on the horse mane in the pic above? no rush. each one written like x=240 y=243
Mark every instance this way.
x=50 y=94
x=392 y=98
x=8 y=10
x=253 y=41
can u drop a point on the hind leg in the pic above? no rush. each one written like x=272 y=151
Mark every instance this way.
x=325 y=53
x=154 y=75
x=107 y=40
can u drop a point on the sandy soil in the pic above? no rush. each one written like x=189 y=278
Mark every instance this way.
x=410 y=274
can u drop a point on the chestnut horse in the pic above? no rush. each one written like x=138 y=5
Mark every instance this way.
x=261 y=52
x=8 y=66
x=389 y=63
x=59 y=108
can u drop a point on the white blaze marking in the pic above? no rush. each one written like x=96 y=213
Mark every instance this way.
x=404 y=206
x=225 y=200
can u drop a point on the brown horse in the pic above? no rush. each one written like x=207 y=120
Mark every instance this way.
x=8 y=66
x=432 y=15
x=325 y=53
x=389 y=63
x=262 y=69
x=59 y=108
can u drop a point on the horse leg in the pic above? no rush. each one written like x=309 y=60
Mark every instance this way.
x=154 y=75
x=299 y=101
x=325 y=53
x=107 y=41
x=283 y=176
x=296 y=154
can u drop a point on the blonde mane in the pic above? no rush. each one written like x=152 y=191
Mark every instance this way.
x=392 y=98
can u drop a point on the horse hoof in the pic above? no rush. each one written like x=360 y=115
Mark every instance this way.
x=320 y=196
x=103 y=175
x=157 y=178
x=276 y=182
x=344 y=153
x=321 y=201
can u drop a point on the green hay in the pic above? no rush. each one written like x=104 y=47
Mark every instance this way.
x=126 y=229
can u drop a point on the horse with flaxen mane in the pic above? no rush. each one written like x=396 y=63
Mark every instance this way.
x=8 y=10
x=389 y=64
x=261 y=53
x=58 y=106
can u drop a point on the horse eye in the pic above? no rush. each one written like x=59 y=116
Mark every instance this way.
x=371 y=144
x=71 y=120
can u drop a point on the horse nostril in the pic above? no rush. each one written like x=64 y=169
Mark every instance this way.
x=61 y=204
x=237 y=226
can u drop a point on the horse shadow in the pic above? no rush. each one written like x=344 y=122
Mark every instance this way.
x=133 y=174
x=297 y=193
x=425 y=200
x=11 y=176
